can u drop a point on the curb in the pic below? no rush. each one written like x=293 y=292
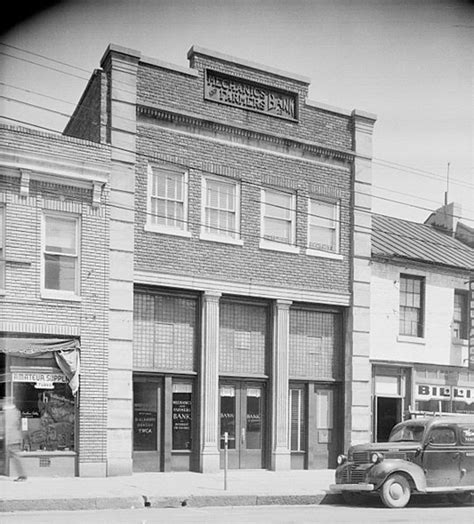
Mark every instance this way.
x=196 y=501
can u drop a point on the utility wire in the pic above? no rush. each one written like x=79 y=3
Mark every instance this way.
x=379 y=161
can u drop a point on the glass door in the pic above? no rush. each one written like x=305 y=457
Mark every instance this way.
x=146 y=426
x=242 y=407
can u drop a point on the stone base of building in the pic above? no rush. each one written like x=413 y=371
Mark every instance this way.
x=118 y=467
x=92 y=469
x=281 y=461
x=210 y=462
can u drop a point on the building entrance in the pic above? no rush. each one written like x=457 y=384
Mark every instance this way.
x=242 y=416
x=146 y=425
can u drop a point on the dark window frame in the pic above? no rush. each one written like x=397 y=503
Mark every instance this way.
x=407 y=292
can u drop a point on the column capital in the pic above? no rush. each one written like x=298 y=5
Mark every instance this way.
x=283 y=304
x=210 y=295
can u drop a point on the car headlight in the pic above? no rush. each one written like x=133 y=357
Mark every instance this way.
x=376 y=458
x=341 y=459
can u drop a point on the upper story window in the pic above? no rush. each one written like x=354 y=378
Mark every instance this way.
x=278 y=220
x=323 y=226
x=460 y=317
x=2 y=247
x=60 y=255
x=411 y=305
x=167 y=201
x=220 y=209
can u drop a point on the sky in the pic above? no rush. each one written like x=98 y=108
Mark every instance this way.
x=410 y=62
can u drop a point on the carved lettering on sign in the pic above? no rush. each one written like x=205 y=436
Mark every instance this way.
x=254 y=97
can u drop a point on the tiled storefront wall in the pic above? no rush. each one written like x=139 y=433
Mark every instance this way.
x=316 y=345
x=164 y=332
x=243 y=338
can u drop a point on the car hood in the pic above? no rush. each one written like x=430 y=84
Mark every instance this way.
x=385 y=446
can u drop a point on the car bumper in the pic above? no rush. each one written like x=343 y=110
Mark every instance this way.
x=338 y=488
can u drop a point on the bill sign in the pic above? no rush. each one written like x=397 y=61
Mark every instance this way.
x=436 y=392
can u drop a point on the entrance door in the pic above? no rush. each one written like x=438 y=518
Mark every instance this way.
x=388 y=414
x=146 y=425
x=242 y=407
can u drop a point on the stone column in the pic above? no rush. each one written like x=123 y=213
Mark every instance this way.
x=281 y=456
x=121 y=66
x=358 y=371
x=209 y=382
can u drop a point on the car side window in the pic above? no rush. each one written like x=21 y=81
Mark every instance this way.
x=442 y=436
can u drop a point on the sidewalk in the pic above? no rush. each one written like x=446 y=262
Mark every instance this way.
x=176 y=489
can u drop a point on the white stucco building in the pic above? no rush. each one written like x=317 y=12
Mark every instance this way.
x=419 y=322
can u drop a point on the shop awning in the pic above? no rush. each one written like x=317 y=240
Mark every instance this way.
x=65 y=352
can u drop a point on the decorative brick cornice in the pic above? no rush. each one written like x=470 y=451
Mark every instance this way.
x=185 y=119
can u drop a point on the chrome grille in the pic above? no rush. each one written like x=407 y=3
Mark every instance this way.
x=361 y=457
x=352 y=475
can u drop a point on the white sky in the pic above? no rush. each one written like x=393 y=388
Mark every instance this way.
x=409 y=62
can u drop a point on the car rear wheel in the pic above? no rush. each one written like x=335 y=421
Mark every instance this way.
x=463 y=497
x=395 y=492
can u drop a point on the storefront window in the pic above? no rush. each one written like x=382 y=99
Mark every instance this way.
x=182 y=416
x=44 y=418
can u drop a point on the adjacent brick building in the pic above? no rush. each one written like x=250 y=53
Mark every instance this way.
x=53 y=303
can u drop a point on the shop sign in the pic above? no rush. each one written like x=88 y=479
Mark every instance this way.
x=437 y=392
x=41 y=380
x=238 y=92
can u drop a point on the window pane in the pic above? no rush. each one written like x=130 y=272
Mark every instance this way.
x=60 y=272
x=60 y=235
x=277 y=230
x=227 y=395
x=278 y=204
x=182 y=416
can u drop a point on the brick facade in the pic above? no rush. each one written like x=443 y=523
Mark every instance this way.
x=61 y=175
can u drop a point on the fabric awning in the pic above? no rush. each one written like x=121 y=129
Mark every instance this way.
x=65 y=352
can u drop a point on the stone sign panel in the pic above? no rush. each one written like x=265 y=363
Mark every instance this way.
x=238 y=92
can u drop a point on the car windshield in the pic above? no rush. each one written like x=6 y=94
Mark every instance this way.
x=407 y=433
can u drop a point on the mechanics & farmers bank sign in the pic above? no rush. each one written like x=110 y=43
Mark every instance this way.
x=238 y=92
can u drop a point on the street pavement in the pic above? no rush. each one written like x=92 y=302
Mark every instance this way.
x=167 y=490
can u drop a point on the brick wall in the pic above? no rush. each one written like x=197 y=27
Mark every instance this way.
x=21 y=305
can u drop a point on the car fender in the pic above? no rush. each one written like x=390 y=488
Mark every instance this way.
x=380 y=472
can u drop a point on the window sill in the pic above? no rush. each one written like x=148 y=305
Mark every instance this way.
x=167 y=231
x=279 y=246
x=411 y=340
x=221 y=239
x=323 y=254
x=58 y=295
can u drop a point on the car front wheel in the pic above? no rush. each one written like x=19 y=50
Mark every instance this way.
x=395 y=492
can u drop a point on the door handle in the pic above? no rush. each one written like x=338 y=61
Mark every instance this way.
x=242 y=436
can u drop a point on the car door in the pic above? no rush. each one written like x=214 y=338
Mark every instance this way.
x=441 y=457
x=466 y=449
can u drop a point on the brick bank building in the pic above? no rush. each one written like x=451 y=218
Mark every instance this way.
x=239 y=265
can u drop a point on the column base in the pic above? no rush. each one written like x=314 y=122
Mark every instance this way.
x=210 y=462
x=119 y=467
x=92 y=469
x=281 y=461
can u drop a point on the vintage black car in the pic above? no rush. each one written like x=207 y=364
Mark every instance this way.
x=422 y=455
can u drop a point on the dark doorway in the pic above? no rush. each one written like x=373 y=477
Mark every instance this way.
x=388 y=414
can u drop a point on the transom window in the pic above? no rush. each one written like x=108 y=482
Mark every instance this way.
x=61 y=253
x=221 y=203
x=167 y=203
x=411 y=305
x=323 y=225
x=279 y=216
x=460 y=317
